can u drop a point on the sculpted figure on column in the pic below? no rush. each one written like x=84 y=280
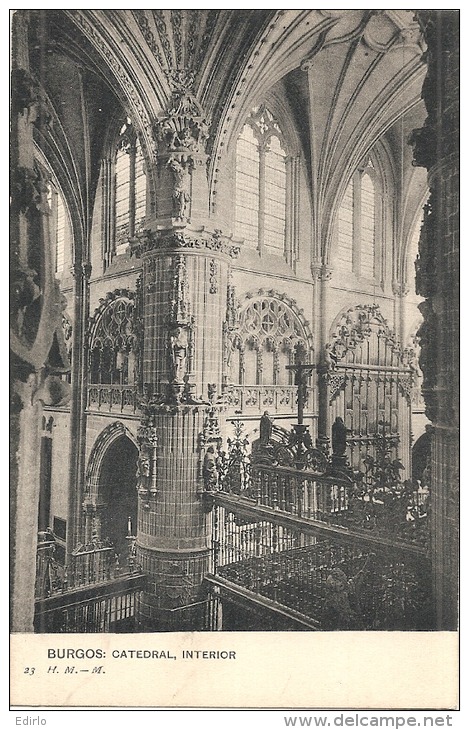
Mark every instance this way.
x=178 y=345
x=182 y=182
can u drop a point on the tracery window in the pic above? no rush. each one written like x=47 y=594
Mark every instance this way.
x=59 y=225
x=264 y=343
x=114 y=344
x=130 y=185
x=357 y=224
x=261 y=184
x=345 y=225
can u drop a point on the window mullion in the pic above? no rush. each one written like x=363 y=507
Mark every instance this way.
x=292 y=210
x=379 y=220
x=357 y=223
x=108 y=205
x=261 y=215
x=132 y=155
x=53 y=225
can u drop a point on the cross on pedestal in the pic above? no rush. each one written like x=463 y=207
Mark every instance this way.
x=302 y=371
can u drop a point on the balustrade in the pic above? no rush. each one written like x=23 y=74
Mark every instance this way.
x=102 y=607
x=338 y=499
x=88 y=565
x=301 y=493
x=258 y=398
x=341 y=586
x=112 y=398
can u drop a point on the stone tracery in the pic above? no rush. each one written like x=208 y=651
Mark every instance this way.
x=114 y=345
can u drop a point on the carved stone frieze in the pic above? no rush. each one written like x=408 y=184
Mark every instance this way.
x=172 y=399
x=149 y=241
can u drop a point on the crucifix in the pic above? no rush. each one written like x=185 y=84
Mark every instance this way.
x=302 y=371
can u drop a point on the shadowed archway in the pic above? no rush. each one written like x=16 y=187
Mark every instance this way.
x=118 y=494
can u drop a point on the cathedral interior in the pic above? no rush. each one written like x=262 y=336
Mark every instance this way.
x=234 y=330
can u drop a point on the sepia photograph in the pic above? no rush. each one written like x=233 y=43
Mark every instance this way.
x=234 y=344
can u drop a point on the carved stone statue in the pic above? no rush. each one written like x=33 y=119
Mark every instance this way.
x=265 y=429
x=178 y=346
x=329 y=358
x=143 y=472
x=210 y=471
x=339 y=437
x=181 y=189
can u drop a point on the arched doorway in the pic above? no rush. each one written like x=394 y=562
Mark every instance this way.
x=118 y=494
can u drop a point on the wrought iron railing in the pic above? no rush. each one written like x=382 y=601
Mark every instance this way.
x=338 y=585
x=304 y=494
x=109 y=606
x=89 y=565
x=305 y=483
x=299 y=530
x=112 y=398
x=94 y=592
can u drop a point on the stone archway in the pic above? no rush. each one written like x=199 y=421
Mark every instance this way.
x=111 y=497
x=118 y=493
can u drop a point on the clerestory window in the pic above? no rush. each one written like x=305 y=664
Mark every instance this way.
x=130 y=185
x=59 y=225
x=358 y=225
x=261 y=184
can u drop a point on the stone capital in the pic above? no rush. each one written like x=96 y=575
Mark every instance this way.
x=400 y=288
x=184 y=129
x=184 y=239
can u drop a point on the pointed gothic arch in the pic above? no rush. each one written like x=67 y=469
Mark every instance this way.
x=370 y=383
x=110 y=496
x=270 y=325
x=114 y=346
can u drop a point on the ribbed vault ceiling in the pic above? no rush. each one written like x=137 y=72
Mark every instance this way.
x=349 y=74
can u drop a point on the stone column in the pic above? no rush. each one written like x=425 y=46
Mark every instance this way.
x=436 y=147
x=185 y=277
x=75 y=526
x=184 y=284
x=25 y=458
x=324 y=274
x=35 y=319
x=400 y=291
